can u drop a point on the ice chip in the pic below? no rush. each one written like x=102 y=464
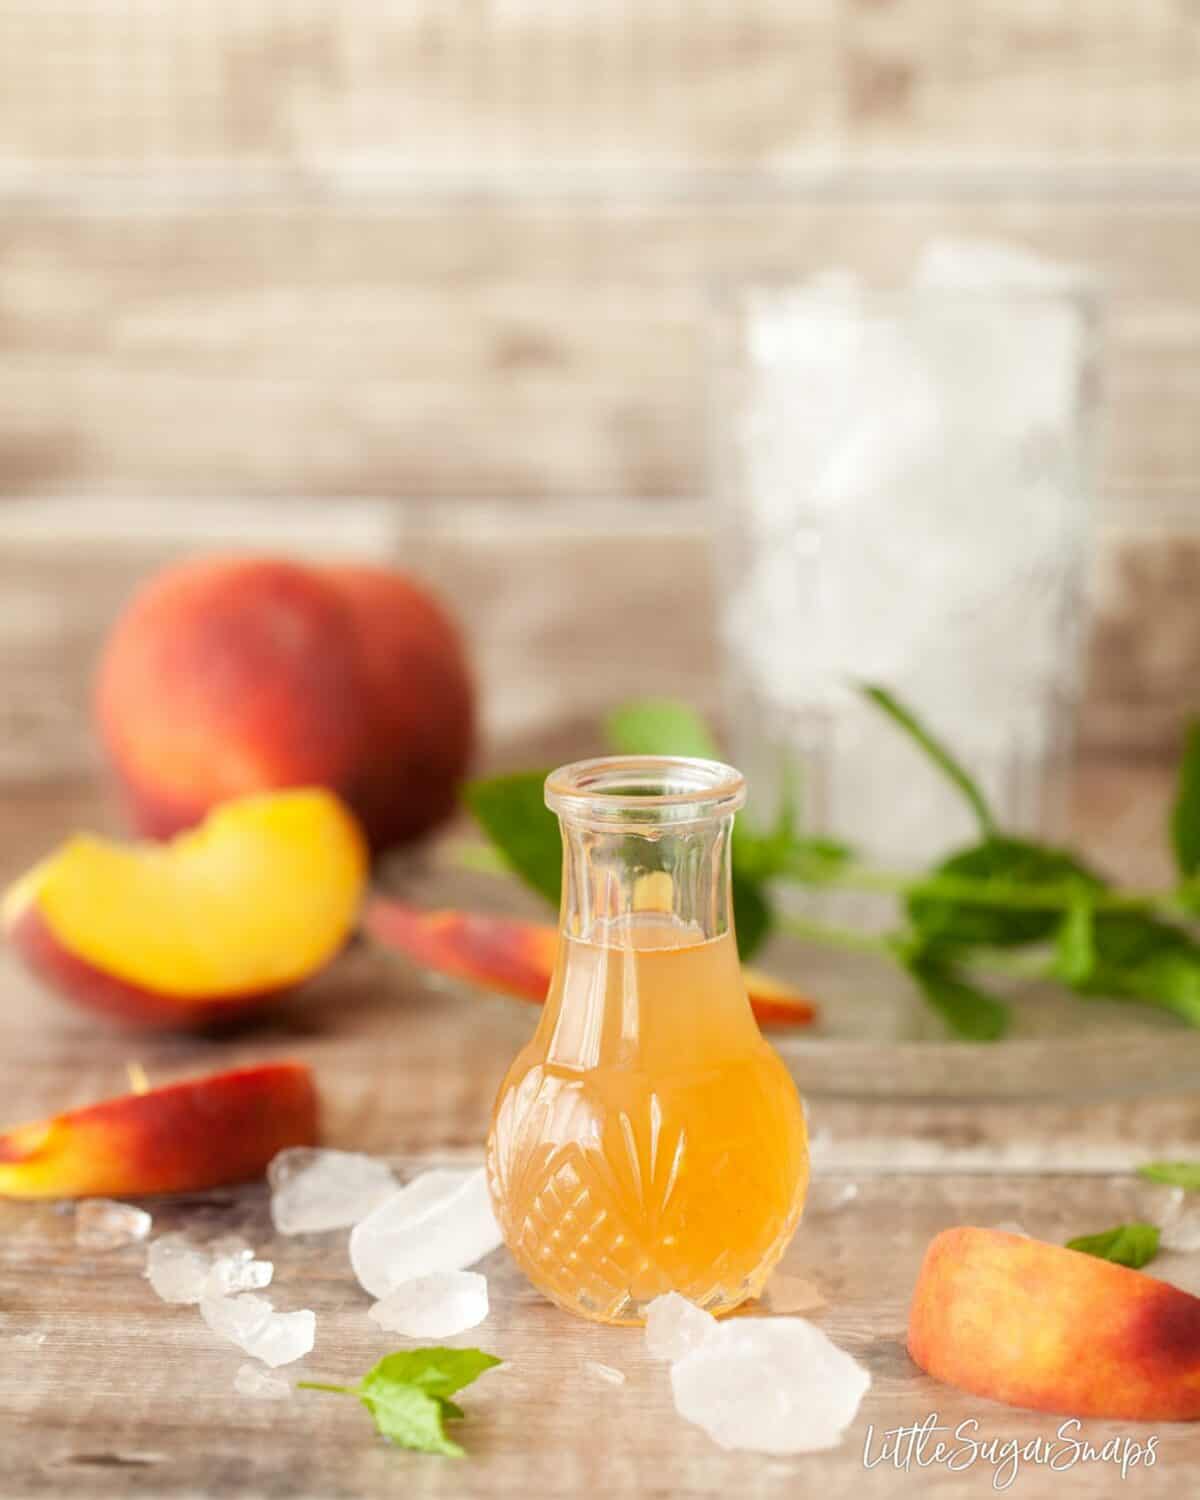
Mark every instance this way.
x=793 y=1294
x=675 y=1326
x=282 y=1338
x=238 y=1319
x=102 y=1224
x=313 y=1190
x=231 y=1274
x=434 y=1306
x=604 y=1372
x=254 y=1382
x=770 y=1385
x=176 y=1269
x=1180 y=1223
x=28 y=1340
x=1010 y=1226
x=441 y=1221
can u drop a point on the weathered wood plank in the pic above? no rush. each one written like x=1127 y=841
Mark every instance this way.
x=427 y=86
x=302 y=348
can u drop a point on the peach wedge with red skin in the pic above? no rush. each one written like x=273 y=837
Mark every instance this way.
x=1036 y=1325
x=201 y=930
x=517 y=958
x=201 y=1133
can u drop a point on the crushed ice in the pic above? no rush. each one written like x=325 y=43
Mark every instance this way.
x=675 y=1326
x=604 y=1372
x=177 y=1269
x=103 y=1224
x=434 y=1306
x=440 y=1221
x=255 y=1382
x=771 y=1385
x=316 y=1190
x=792 y=1294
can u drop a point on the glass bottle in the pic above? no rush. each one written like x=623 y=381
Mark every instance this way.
x=647 y=1139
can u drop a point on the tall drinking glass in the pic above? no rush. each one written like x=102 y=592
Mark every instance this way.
x=902 y=496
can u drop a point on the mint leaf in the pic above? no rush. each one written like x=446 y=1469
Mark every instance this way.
x=411 y=1418
x=407 y=1394
x=1013 y=865
x=1140 y=957
x=1181 y=1174
x=1185 y=815
x=970 y=1013
x=512 y=811
x=659 y=726
x=438 y=1371
x=905 y=719
x=752 y=915
x=1133 y=1245
x=1075 y=948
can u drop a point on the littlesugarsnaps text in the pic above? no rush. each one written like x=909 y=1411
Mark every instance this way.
x=929 y=1442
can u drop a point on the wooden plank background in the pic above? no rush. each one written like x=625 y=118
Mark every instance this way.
x=422 y=254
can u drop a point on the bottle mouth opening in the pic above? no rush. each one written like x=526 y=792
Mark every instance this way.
x=639 y=791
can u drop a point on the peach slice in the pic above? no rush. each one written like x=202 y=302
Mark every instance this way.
x=226 y=916
x=202 y=1133
x=1033 y=1324
x=517 y=958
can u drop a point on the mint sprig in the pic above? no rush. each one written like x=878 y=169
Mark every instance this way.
x=1004 y=907
x=408 y=1394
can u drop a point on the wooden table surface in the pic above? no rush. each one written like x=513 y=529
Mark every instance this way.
x=127 y=1396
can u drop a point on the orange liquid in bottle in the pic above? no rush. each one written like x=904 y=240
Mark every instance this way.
x=647 y=1139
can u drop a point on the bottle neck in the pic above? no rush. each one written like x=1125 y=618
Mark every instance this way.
x=658 y=887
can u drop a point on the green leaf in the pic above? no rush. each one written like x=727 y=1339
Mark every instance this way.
x=1181 y=1174
x=438 y=1371
x=1011 y=864
x=1075 y=948
x=1185 y=815
x=752 y=915
x=906 y=720
x=1140 y=957
x=659 y=726
x=512 y=811
x=411 y=1418
x=970 y=1013
x=407 y=1394
x=1133 y=1245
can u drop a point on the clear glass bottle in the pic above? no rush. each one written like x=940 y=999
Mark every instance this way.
x=647 y=1139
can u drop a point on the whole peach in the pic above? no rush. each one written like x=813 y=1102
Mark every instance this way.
x=420 y=716
x=232 y=675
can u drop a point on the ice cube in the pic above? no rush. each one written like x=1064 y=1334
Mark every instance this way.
x=604 y=1372
x=102 y=1224
x=793 y=1294
x=254 y=1382
x=28 y=1340
x=441 y=1221
x=1010 y=1226
x=177 y=1269
x=237 y=1319
x=771 y=1385
x=675 y=1326
x=284 y=1337
x=238 y=1273
x=989 y=265
x=1180 y=1223
x=312 y=1190
x=825 y=1197
x=434 y=1306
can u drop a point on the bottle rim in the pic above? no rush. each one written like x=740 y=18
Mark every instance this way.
x=640 y=791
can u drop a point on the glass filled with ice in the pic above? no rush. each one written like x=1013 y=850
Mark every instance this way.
x=902 y=496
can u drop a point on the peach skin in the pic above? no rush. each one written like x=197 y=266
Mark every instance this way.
x=201 y=1133
x=222 y=919
x=517 y=958
x=1034 y=1324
